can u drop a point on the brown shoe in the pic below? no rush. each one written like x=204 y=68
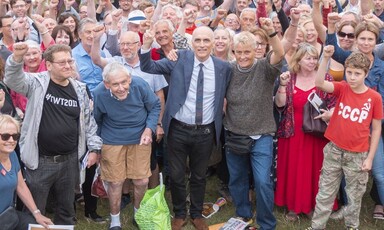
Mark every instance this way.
x=199 y=224
x=178 y=223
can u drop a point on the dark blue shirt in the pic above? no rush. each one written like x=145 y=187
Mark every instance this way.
x=121 y=122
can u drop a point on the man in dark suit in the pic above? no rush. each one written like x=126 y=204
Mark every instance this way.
x=192 y=118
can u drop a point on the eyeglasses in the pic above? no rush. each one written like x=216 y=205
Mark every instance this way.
x=16 y=29
x=7 y=136
x=348 y=35
x=129 y=44
x=230 y=21
x=64 y=62
x=260 y=45
x=18 y=6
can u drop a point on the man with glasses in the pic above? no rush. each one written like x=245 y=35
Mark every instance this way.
x=7 y=40
x=5 y=26
x=20 y=9
x=58 y=125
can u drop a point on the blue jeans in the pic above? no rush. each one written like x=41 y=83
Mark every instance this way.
x=260 y=159
x=378 y=169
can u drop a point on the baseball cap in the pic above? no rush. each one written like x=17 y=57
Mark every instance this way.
x=136 y=16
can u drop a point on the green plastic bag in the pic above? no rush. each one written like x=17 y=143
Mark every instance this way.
x=153 y=213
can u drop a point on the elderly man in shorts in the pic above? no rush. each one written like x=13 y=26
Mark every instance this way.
x=126 y=111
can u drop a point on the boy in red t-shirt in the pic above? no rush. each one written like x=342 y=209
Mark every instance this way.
x=350 y=152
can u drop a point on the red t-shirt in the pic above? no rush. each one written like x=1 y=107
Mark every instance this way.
x=349 y=127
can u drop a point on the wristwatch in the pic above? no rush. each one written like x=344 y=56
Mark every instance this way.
x=97 y=151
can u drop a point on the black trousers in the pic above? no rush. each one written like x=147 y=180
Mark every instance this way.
x=194 y=142
x=90 y=202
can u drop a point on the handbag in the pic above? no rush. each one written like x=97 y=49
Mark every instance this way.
x=99 y=188
x=238 y=144
x=9 y=218
x=312 y=126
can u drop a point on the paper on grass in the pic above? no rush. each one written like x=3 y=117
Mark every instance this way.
x=55 y=227
x=234 y=224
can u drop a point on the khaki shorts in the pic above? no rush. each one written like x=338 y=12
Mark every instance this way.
x=119 y=162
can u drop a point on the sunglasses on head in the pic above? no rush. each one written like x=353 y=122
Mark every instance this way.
x=349 y=35
x=7 y=136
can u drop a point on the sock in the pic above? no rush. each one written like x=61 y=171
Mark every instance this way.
x=115 y=220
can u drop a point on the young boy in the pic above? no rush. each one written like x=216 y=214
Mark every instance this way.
x=350 y=152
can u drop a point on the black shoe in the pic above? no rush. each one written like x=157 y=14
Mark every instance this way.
x=115 y=228
x=210 y=171
x=125 y=200
x=95 y=218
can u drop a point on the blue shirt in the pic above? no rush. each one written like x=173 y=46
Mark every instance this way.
x=90 y=73
x=8 y=182
x=121 y=122
x=381 y=35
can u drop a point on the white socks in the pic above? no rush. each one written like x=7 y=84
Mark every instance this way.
x=115 y=220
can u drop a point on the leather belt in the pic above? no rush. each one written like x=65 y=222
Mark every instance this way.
x=189 y=126
x=56 y=159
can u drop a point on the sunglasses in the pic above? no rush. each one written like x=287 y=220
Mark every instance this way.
x=7 y=136
x=349 y=35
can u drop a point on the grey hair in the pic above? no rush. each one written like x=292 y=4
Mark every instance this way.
x=272 y=15
x=177 y=9
x=168 y=22
x=112 y=69
x=85 y=21
x=247 y=10
x=245 y=38
x=33 y=44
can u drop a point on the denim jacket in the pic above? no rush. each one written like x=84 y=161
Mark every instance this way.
x=34 y=86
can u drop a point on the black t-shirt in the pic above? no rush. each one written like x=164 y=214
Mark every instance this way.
x=59 y=126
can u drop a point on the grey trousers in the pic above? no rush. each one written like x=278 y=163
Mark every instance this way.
x=61 y=177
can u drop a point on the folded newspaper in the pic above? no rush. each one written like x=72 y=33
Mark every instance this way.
x=234 y=224
x=316 y=102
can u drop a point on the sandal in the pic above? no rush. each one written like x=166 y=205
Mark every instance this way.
x=291 y=216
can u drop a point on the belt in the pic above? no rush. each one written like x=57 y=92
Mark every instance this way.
x=55 y=159
x=188 y=126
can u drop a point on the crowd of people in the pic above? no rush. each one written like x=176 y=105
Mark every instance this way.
x=135 y=87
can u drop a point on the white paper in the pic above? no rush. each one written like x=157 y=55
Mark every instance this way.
x=57 y=227
x=234 y=224
x=316 y=102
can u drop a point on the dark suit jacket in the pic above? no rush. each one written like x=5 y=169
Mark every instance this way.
x=181 y=74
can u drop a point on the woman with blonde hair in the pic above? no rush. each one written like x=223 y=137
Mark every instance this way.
x=11 y=180
x=300 y=154
x=222 y=46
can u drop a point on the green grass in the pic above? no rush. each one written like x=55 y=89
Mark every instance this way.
x=227 y=211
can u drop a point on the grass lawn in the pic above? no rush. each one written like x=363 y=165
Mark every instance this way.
x=227 y=211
